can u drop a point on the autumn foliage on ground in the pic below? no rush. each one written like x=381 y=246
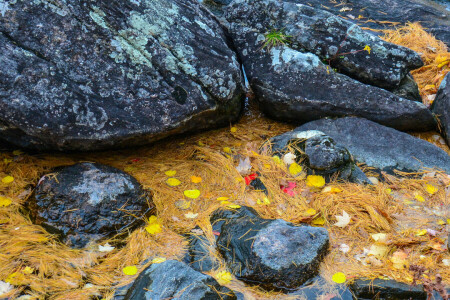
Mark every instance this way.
x=383 y=231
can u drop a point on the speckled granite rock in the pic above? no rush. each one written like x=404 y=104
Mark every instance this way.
x=441 y=107
x=86 y=202
x=84 y=75
x=291 y=85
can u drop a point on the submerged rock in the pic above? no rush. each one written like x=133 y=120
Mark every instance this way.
x=320 y=153
x=175 y=280
x=274 y=254
x=85 y=75
x=333 y=39
x=381 y=147
x=87 y=202
x=291 y=85
x=441 y=107
x=386 y=289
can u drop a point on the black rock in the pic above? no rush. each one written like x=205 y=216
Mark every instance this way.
x=441 y=107
x=386 y=290
x=87 y=202
x=331 y=38
x=84 y=75
x=381 y=147
x=197 y=255
x=175 y=280
x=274 y=254
x=320 y=153
x=384 y=14
x=320 y=289
x=258 y=185
x=294 y=86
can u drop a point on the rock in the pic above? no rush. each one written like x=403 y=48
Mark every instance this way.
x=320 y=153
x=386 y=289
x=274 y=254
x=175 y=280
x=96 y=74
x=198 y=256
x=408 y=89
x=319 y=288
x=294 y=86
x=87 y=202
x=387 y=13
x=336 y=40
x=381 y=147
x=441 y=107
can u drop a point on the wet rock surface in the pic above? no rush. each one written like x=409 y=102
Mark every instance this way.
x=274 y=254
x=434 y=17
x=86 y=202
x=331 y=38
x=320 y=153
x=175 y=280
x=198 y=254
x=96 y=74
x=386 y=289
x=380 y=146
x=318 y=288
x=441 y=107
x=291 y=85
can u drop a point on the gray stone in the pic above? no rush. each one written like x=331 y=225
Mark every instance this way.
x=441 y=107
x=386 y=290
x=85 y=75
x=381 y=147
x=294 y=86
x=197 y=255
x=87 y=202
x=175 y=280
x=274 y=254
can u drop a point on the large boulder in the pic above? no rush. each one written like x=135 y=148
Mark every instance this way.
x=84 y=75
x=175 y=280
x=86 y=202
x=198 y=254
x=384 y=14
x=274 y=254
x=379 y=146
x=332 y=39
x=291 y=85
x=441 y=107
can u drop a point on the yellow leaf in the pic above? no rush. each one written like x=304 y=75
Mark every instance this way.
x=4 y=201
x=154 y=228
x=27 y=270
x=200 y=143
x=429 y=87
x=379 y=237
x=311 y=212
x=233 y=129
x=130 y=270
x=196 y=179
x=389 y=191
x=448 y=221
x=267 y=166
x=7 y=160
x=339 y=277
x=234 y=206
x=152 y=219
x=223 y=277
x=440 y=222
x=17 y=152
x=276 y=159
x=318 y=221
x=431 y=189
x=16 y=278
x=170 y=173
x=222 y=199
x=367 y=48
x=193 y=194
x=183 y=204
x=225 y=202
x=264 y=201
x=443 y=63
x=421 y=232
x=378 y=250
x=191 y=215
x=158 y=260
x=316 y=181
x=295 y=169
x=227 y=150
x=7 y=179
x=173 y=182
x=330 y=189
x=398 y=259
x=419 y=198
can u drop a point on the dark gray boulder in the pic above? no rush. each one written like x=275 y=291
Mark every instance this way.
x=87 y=202
x=320 y=153
x=294 y=86
x=84 y=75
x=175 y=280
x=380 y=146
x=319 y=288
x=197 y=255
x=274 y=254
x=441 y=107
x=338 y=41
x=386 y=289
x=433 y=17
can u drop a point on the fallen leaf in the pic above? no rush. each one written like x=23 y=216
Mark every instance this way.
x=318 y=221
x=289 y=158
x=419 y=198
x=276 y=159
x=344 y=248
x=343 y=220
x=440 y=222
x=316 y=181
x=222 y=199
x=378 y=250
x=264 y=201
x=28 y=270
x=191 y=215
x=431 y=189
x=289 y=189
x=330 y=189
x=227 y=150
x=233 y=129
x=421 y=232
x=130 y=270
x=183 y=204
x=379 y=237
x=173 y=182
x=339 y=277
x=398 y=260
x=196 y=179
x=106 y=248
x=5 y=287
x=154 y=228
x=193 y=194
x=311 y=211
x=5 y=201
x=248 y=179
x=170 y=173
x=223 y=277
x=244 y=166
x=7 y=179
x=158 y=260
x=295 y=169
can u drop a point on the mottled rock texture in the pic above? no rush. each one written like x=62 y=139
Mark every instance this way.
x=380 y=146
x=296 y=86
x=86 y=202
x=85 y=75
x=175 y=280
x=441 y=107
x=198 y=253
x=274 y=254
x=320 y=153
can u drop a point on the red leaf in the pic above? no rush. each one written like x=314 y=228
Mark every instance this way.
x=250 y=178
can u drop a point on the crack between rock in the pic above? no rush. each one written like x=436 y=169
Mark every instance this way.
x=36 y=53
